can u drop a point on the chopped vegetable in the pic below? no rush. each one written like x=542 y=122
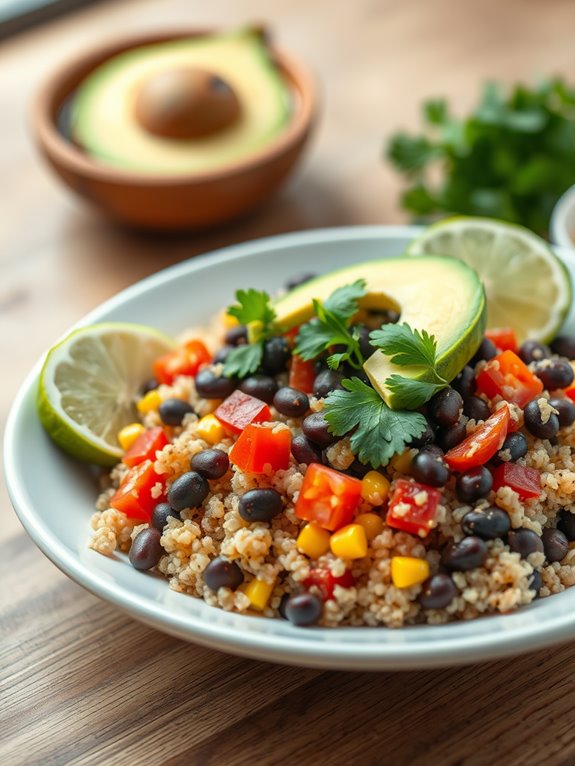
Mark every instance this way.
x=239 y=410
x=184 y=360
x=522 y=479
x=145 y=447
x=504 y=338
x=507 y=376
x=302 y=374
x=375 y=488
x=408 y=570
x=210 y=429
x=313 y=540
x=149 y=402
x=128 y=434
x=349 y=542
x=328 y=497
x=259 y=592
x=372 y=524
x=413 y=507
x=323 y=579
x=481 y=445
x=140 y=491
x=259 y=447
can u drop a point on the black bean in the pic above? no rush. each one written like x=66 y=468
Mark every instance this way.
x=468 y=553
x=299 y=279
x=148 y=385
x=514 y=447
x=533 y=351
x=555 y=544
x=566 y=523
x=486 y=523
x=262 y=387
x=173 y=411
x=277 y=354
x=160 y=515
x=447 y=438
x=304 y=451
x=445 y=407
x=260 y=504
x=534 y=421
x=564 y=345
x=223 y=573
x=326 y=381
x=555 y=373
x=282 y=606
x=473 y=484
x=476 y=408
x=222 y=354
x=316 y=428
x=358 y=469
x=566 y=411
x=427 y=469
x=535 y=581
x=524 y=542
x=304 y=609
x=426 y=437
x=210 y=463
x=364 y=342
x=437 y=592
x=486 y=351
x=465 y=382
x=188 y=491
x=237 y=335
x=290 y=402
x=433 y=449
x=212 y=386
x=146 y=549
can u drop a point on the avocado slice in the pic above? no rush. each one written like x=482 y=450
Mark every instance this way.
x=433 y=293
x=104 y=118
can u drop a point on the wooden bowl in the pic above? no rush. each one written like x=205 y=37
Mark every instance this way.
x=170 y=202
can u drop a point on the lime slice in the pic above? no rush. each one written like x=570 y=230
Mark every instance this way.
x=527 y=286
x=89 y=386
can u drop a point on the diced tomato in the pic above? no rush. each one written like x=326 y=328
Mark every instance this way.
x=412 y=507
x=507 y=376
x=504 y=338
x=328 y=497
x=239 y=410
x=302 y=374
x=525 y=481
x=480 y=446
x=291 y=335
x=260 y=446
x=145 y=447
x=325 y=581
x=184 y=360
x=140 y=491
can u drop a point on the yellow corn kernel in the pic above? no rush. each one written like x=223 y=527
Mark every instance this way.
x=372 y=524
x=151 y=401
x=402 y=462
x=374 y=488
x=313 y=541
x=229 y=321
x=210 y=429
x=258 y=592
x=128 y=435
x=349 y=542
x=407 y=571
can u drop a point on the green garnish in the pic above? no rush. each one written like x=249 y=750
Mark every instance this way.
x=380 y=432
x=254 y=310
x=330 y=327
x=512 y=158
x=407 y=347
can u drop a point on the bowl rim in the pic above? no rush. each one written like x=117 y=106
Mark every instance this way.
x=52 y=94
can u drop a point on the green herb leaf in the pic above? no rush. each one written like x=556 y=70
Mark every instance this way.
x=411 y=393
x=405 y=346
x=253 y=306
x=376 y=431
x=344 y=300
x=243 y=360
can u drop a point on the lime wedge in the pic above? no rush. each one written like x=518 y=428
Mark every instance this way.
x=527 y=286
x=89 y=386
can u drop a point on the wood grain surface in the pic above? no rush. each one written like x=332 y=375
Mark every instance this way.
x=81 y=683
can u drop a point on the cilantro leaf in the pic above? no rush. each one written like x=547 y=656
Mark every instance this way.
x=243 y=360
x=405 y=346
x=380 y=432
x=253 y=306
x=344 y=300
x=411 y=393
x=329 y=329
x=313 y=339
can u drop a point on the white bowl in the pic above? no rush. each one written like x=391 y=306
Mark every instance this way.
x=562 y=225
x=54 y=496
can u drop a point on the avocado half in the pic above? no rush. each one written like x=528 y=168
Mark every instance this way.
x=103 y=115
x=438 y=294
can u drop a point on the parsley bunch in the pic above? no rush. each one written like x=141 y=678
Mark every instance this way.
x=511 y=158
x=254 y=310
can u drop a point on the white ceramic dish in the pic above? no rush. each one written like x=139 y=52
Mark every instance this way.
x=54 y=496
x=562 y=223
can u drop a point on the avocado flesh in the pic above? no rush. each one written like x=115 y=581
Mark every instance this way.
x=103 y=114
x=434 y=293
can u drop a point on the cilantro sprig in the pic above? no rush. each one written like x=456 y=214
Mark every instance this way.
x=254 y=310
x=331 y=327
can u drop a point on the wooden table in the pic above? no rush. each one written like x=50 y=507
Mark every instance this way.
x=80 y=683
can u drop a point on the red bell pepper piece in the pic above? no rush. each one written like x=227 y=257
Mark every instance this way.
x=504 y=338
x=140 y=491
x=480 y=446
x=145 y=447
x=507 y=376
x=239 y=410
x=302 y=374
x=260 y=446
x=412 y=507
x=328 y=497
x=184 y=360
x=525 y=481
x=325 y=581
